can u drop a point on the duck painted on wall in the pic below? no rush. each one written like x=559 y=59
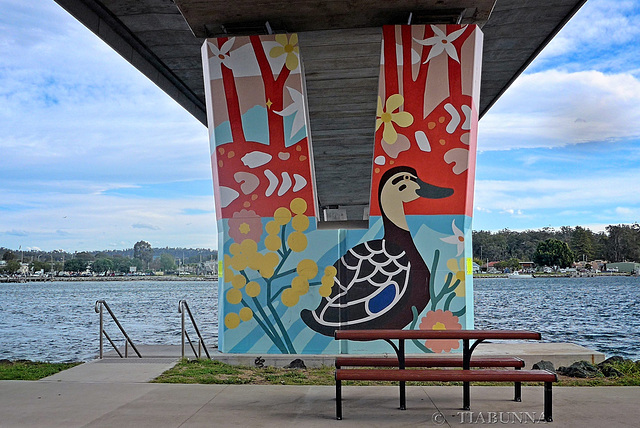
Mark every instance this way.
x=286 y=284
x=378 y=281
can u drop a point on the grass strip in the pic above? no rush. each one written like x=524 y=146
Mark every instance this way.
x=30 y=370
x=216 y=372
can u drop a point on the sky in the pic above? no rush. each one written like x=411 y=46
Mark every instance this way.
x=93 y=156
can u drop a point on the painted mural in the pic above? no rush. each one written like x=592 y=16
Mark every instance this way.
x=285 y=286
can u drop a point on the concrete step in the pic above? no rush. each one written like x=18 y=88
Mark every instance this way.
x=159 y=358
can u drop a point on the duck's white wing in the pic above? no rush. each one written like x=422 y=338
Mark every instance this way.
x=372 y=277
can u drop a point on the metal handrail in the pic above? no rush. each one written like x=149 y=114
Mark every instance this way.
x=98 y=308
x=182 y=305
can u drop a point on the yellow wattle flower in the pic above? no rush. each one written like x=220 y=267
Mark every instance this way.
x=288 y=47
x=388 y=118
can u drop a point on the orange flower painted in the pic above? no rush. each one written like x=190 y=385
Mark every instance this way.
x=440 y=320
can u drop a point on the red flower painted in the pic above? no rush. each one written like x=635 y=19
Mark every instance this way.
x=245 y=224
x=441 y=320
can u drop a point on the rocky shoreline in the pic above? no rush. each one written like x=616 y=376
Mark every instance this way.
x=583 y=369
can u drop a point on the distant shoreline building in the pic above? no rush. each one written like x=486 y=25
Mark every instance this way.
x=624 y=267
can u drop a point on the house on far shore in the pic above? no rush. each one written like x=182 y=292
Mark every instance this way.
x=476 y=267
x=624 y=267
x=527 y=266
x=490 y=267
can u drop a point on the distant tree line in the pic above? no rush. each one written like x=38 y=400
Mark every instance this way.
x=142 y=256
x=616 y=244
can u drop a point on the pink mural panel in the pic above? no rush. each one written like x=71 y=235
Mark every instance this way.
x=257 y=121
x=427 y=111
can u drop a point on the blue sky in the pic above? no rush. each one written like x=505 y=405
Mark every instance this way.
x=94 y=156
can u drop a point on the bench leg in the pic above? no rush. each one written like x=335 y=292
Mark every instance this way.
x=518 y=392
x=403 y=396
x=466 y=396
x=548 y=416
x=338 y=399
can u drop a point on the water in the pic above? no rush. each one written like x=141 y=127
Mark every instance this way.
x=601 y=313
x=56 y=321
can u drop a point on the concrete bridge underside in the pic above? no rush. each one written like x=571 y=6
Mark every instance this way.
x=340 y=46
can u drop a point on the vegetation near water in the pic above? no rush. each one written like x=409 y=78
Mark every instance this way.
x=615 y=244
x=216 y=372
x=30 y=370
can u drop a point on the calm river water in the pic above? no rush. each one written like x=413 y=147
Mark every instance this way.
x=56 y=321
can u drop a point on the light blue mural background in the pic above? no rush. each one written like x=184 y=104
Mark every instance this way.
x=325 y=247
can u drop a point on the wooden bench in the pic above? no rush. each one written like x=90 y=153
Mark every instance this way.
x=414 y=361
x=447 y=375
x=435 y=361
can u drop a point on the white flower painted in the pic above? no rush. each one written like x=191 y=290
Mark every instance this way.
x=441 y=42
x=296 y=108
x=456 y=239
x=221 y=55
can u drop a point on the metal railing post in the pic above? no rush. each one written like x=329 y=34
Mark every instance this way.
x=101 y=331
x=182 y=307
x=100 y=304
x=183 y=327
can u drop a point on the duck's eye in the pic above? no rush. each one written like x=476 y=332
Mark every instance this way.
x=402 y=187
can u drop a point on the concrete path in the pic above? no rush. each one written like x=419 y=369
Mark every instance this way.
x=115 y=392
x=77 y=404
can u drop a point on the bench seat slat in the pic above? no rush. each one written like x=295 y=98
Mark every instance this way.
x=365 y=335
x=447 y=375
x=350 y=361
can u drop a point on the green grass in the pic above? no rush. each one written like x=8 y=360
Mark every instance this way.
x=216 y=372
x=30 y=370
x=210 y=371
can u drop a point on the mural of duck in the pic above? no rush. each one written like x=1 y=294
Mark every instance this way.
x=378 y=281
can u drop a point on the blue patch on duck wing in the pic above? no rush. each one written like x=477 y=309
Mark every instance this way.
x=382 y=300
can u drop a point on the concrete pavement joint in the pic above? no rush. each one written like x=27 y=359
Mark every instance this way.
x=203 y=406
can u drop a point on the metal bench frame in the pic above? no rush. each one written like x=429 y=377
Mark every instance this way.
x=447 y=375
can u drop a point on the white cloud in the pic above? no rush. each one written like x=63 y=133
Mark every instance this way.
x=71 y=106
x=600 y=25
x=512 y=212
x=145 y=226
x=77 y=120
x=14 y=232
x=584 y=192
x=630 y=214
x=86 y=221
x=481 y=209
x=556 y=108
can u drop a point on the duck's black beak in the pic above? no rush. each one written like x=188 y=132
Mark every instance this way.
x=430 y=191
